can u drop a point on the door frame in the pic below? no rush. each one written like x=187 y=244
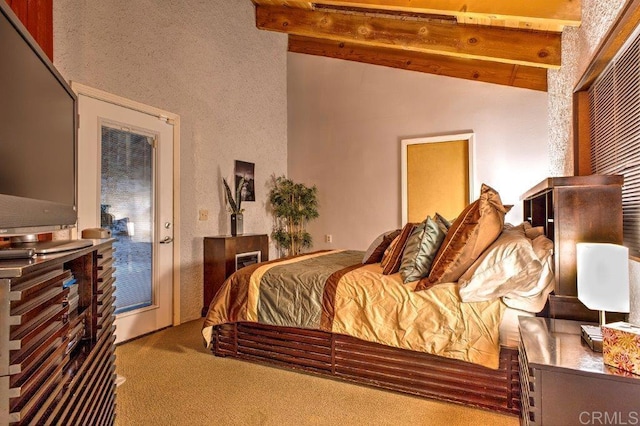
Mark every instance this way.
x=174 y=120
x=468 y=136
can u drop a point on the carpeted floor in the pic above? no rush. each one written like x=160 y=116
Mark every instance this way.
x=171 y=379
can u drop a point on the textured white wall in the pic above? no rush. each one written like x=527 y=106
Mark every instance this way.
x=346 y=120
x=578 y=47
x=205 y=61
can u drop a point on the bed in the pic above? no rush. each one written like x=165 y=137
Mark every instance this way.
x=429 y=309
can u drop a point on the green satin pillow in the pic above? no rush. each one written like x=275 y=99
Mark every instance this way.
x=421 y=248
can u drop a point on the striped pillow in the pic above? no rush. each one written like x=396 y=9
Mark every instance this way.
x=379 y=246
x=393 y=256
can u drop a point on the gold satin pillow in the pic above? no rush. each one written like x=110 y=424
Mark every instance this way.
x=479 y=224
x=421 y=248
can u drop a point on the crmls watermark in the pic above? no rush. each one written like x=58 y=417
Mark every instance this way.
x=609 y=418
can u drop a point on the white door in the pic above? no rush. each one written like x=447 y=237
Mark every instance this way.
x=126 y=185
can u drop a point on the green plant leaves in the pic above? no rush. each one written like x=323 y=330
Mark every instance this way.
x=293 y=205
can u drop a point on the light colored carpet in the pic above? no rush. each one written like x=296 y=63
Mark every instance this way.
x=171 y=379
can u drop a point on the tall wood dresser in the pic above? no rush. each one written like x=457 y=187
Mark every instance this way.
x=574 y=209
x=57 y=338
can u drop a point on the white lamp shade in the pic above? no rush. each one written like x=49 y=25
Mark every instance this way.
x=603 y=276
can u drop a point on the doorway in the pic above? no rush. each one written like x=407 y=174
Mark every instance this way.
x=127 y=159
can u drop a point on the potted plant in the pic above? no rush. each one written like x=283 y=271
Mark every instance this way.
x=234 y=206
x=293 y=205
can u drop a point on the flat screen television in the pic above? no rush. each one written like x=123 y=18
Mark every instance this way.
x=38 y=137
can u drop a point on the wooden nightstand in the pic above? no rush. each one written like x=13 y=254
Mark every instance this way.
x=563 y=382
x=220 y=259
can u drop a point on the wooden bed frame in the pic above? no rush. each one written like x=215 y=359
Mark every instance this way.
x=372 y=364
x=585 y=208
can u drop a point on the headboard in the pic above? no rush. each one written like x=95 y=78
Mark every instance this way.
x=574 y=209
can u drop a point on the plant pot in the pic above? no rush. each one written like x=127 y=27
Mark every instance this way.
x=236 y=224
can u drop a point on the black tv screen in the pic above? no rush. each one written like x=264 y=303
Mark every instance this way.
x=37 y=136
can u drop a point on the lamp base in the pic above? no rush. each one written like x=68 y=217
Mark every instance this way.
x=592 y=334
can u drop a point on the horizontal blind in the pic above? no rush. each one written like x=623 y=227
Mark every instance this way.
x=615 y=132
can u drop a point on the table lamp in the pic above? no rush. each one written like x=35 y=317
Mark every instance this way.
x=603 y=283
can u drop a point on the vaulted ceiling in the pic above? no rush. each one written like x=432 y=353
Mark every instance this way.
x=508 y=42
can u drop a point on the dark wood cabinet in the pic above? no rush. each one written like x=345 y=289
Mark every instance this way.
x=57 y=338
x=220 y=259
x=564 y=382
x=571 y=210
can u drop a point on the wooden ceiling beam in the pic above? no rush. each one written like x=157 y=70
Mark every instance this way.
x=560 y=12
x=555 y=12
x=529 y=48
x=470 y=69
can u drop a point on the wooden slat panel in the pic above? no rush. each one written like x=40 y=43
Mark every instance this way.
x=99 y=356
x=94 y=393
x=105 y=285
x=35 y=355
x=397 y=362
x=108 y=408
x=23 y=417
x=526 y=77
x=30 y=394
x=376 y=365
x=496 y=44
x=310 y=337
x=318 y=352
x=292 y=351
x=282 y=359
x=459 y=384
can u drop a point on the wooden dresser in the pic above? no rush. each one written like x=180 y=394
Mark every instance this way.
x=220 y=260
x=571 y=210
x=56 y=338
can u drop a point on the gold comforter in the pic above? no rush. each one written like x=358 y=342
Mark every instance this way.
x=334 y=292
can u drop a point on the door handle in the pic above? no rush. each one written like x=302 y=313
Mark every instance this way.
x=167 y=240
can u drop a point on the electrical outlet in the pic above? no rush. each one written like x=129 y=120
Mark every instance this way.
x=328 y=238
x=203 y=214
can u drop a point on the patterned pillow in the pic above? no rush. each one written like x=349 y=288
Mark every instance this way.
x=393 y=256
x=377 y=248
x=421 y=248
x=479 y=224
x=386 y=257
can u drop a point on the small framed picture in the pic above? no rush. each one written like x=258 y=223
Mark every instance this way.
x=246 y=170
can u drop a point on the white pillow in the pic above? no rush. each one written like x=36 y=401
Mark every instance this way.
x=508 y=265
x=534 y=299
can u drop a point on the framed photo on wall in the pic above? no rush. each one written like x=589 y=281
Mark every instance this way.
x=246 y=170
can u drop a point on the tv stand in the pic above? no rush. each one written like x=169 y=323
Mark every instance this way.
x=54 y=246
x=57 y=338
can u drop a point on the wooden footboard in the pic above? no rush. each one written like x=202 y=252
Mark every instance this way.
x=376 y=365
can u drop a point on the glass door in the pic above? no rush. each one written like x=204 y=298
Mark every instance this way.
x=127 y=208
x=125 y=177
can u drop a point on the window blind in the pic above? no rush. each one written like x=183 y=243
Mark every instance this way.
x=614 y=117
